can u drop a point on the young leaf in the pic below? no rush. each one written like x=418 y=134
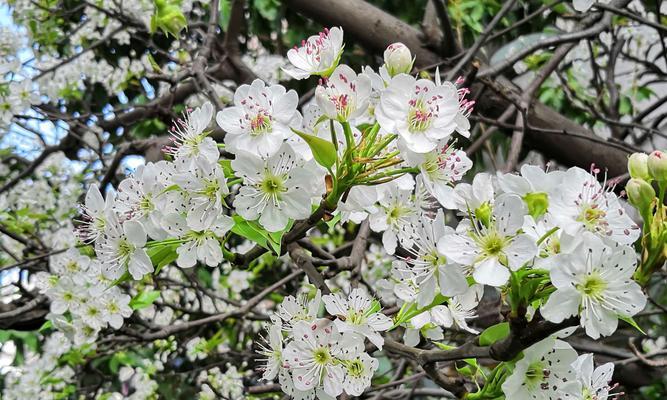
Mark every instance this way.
x=324 y=151
x=494 y=333
x=144 y=299
x=632 y=322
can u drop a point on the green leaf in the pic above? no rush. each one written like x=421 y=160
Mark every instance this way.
x=46 y=326
x=247 y=230
x=144 y=299
x=267 y=8
x=162 y=255
x=324 y=151
x=253 y=231
x=494 y=333
x=632 y=322
x=224 y=14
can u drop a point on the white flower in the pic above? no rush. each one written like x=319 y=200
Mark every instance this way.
x=344 y=95
x=137 y=198
x=206 y=187
x=359 y=371
x=116 y=307
x=260 y=119
x=63 y=296
x=295 y=309
x=196 y=349
x=238 y=280
x=121 y=250
x=431 y=270
x=84 y=333
x=594 y=381
x=595 y=281
x=462 y=307
x=73 y=264
x=396 y=211
x=275 y=189
x=358 y=314
x=491 y=249
x=94 y=214
x=476 y=198
x=535 y=186
x=272 y=351
x=313 y=356
x=317 y=56
x=440 y=169
x=544 y=372
x=585 y=205
x=191 y=141
x=198 y=244
x=420 y=112
x=552 y=240
x=91 y=312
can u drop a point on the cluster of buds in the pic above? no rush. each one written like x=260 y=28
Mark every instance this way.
x=648 y=172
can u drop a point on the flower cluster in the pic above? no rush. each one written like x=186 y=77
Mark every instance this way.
x=82 y=303
x=314 y=356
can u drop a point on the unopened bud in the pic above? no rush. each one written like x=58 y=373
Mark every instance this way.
x=398 y=59
x=657 y=166
x=638 y=166
x=640 y=193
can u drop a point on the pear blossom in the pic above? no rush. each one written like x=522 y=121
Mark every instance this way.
x=272 y=351
x=492 y=250
x=275 y=189
x=344 y=95
x=535 y=186
x=594 y=381
x=421 y=113
x=461 y=308
x=138 y=199
x=198 y=244
x=190 y=138
x=63 y=296
x=359 y=370
x=206 y=187
x=312 y=357
x=432 y=271
x=94 y=214
x=595 y=282
x=395 y=211
x=550 y=239
x=300 y=308
x=477 y=197
x=121 y=250
x=398 y=59
x=318 y=55
x=116 y=308
x=261 y=118
x=440 y=169
x=357 y=314
x=586 y=205
x=544 y=372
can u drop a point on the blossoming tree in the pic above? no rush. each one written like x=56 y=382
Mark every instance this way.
x=473 y=209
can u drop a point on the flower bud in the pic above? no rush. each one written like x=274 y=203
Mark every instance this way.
x=657 y=166
x=638 y=167
x=640 y=193
x=398 y=59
